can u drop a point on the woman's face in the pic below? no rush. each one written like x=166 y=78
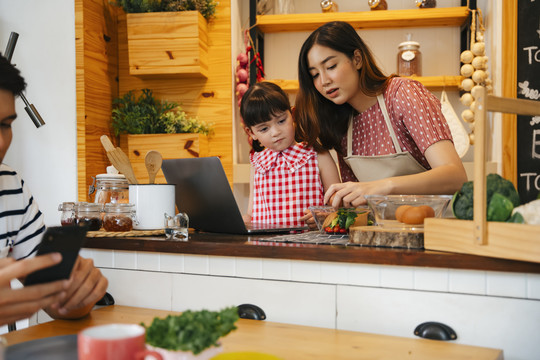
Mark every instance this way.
x=277 y=134
x=334 y=75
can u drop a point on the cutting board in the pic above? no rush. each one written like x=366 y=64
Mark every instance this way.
x=379 y=236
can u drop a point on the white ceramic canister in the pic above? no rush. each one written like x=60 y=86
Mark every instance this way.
x=151 y=201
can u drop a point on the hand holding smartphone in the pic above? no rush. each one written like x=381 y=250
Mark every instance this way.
x=66 y=240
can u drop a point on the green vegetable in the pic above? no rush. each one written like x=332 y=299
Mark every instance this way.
x=501 y=194
x=516 y=218
x=192 y=331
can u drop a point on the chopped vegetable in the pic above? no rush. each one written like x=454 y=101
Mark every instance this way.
x=501 y=194
x=529 y=213
x=192 y=331
x=342 y=220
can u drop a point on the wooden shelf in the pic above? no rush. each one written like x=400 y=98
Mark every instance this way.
x=448 y=16
x=433 y=83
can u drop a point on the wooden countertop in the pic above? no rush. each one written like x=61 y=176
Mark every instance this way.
x=250 y=246
x=282 y=340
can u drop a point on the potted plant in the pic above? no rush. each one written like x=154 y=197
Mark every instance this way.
x=168 y=36
x=191 y=335
x=145 y=123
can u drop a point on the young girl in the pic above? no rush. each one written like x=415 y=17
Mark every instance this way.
x=389 y=132
x=286 y=177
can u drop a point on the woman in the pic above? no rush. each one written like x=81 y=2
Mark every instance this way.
x=389 y=132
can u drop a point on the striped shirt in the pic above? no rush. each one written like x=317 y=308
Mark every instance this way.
x=285 y=184
x=21 y=222
x=417 y=120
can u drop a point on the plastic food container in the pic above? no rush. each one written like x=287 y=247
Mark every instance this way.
x=119 y=217
x=384 y=208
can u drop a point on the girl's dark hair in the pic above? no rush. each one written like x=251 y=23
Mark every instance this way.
x=260 y=103
x=10 y=77
x=320 y=122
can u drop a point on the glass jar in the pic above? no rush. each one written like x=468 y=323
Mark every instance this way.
x=409 y=59
x=329 y=6
x=89 y=214
x=119 y=217
x=67 y=217
x=426 y=3
x=111 y=188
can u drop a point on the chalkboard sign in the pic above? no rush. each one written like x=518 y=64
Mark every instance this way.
x=528 y=87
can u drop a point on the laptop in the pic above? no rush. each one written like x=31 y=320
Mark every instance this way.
x=204 y=194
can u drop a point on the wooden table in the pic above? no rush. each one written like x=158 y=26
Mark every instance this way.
x=282 y=340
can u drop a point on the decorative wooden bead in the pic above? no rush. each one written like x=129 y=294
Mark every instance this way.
x=475 y=91
x=467 y=70
x=479 y=76
x=466 y=57
x=479 y=62
x=466 y=99
x=479 y=36
x=467 y=84
x=471 y=126
x=478 y=49
x=472 y=106
x=467 y=115
x=471 y=138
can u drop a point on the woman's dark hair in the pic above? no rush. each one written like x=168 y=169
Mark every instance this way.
x=320 y=122
x=10 y=78
x=260 y=103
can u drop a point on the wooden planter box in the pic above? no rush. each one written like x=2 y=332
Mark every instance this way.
x=171 y=146
x=168 y=43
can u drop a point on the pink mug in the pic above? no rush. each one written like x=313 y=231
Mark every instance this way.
x=113 y=342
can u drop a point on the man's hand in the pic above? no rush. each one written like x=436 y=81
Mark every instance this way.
x=86 y=287
x=22 y=303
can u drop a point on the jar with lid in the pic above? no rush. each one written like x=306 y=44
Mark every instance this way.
x=89 y=214
x=110 y=188
x=119 y=217
x=67 y=216
x=409 y=59
x=329 y=6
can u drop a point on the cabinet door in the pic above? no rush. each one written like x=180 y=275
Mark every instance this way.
x=503 y=323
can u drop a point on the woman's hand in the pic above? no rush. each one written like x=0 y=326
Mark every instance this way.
x=351 y=194
x=86 y=287
x=17 y=304
x=309 y=220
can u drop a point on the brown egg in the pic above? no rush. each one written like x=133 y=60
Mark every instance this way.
x=400 y=210
x=428 y=210
x=413 y=216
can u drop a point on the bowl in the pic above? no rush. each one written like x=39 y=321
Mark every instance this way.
x=321 y=213
x=384 y=208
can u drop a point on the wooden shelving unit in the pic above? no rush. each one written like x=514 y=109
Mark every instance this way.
x=433 y=83
x=443 y=16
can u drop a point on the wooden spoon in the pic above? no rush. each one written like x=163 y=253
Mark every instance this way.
x=153 y=160
x=119 y=159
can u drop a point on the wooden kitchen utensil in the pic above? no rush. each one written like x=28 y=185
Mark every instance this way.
x=119 y=159
x=153 y=160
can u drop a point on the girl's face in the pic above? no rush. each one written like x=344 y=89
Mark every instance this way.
x=276 y=134
x=334 y=75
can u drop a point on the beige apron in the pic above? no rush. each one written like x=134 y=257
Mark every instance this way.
x=370 y=168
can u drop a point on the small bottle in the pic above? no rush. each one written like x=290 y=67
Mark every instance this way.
x=119 y=217
x=67 y=217
x=89 y=214
x=329 y=6
x=409 y=58
x=426 y=3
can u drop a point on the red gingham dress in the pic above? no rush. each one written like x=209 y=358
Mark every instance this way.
x=285 y=184
x=416 y=116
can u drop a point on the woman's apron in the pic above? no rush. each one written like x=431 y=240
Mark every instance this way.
x=370 y=168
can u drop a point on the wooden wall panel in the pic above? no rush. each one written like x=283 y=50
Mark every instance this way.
x=208 y=99
x=96 y=47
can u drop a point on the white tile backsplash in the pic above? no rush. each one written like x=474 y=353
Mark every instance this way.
x=399 y=277
x=171 y=262
x=103 y=258
x=147 y=261
x=506 y=284
x=431 y=279
x=365 y=275
x=467 y=282
x=249 y=267
x=222 y=265
x=334 y=273
x=196 y=264
x=533 y=286
x=306 y=271
x=125 y=259
x=276 y=269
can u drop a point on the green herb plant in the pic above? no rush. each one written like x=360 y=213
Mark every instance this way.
x=192 y=331
x=147 y=115
x=207 y=8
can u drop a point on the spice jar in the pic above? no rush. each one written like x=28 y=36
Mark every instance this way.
x=409 y=59
x=67 y=217
x=329 y=6
x=119 y=217
x=426 y=3
x=89 y=214
x=111 y=188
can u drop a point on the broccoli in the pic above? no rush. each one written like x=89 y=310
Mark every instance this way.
x=499 y=207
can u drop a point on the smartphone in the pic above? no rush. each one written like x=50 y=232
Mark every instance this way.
x=67 y=240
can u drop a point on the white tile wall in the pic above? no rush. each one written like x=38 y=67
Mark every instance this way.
x=431 y=279
x=222 y=265
x=506 y=284
x=276 y=269
x=306 y=271
x=533 y=286
x=364 y=274
x=249 y=268
x=196 y=264
x=399 y=277
x=147 y=261
x=171 y=262
x=467 y=282
x=125 y=259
